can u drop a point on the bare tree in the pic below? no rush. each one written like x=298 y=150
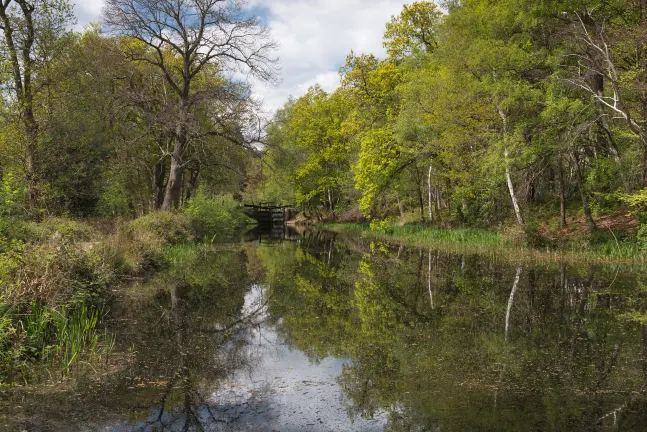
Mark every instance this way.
x=186 y=39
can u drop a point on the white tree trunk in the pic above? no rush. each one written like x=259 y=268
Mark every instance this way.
x=508 y=174
x=513 y=197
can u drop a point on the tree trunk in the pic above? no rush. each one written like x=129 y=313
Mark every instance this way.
x=32 y=163
x=400 y=206
x=160 y=185
x=438 y=204
x=508 y=174
x=194 y=174
x=23 y=89
x=562 y=192
x=513 y=197
x=331 y=205
x=585 y=202
x=173 y=194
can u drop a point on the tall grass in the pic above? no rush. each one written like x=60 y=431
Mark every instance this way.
x=76 y=335
x=424 y=234
x=480 y=240
x=61 y=337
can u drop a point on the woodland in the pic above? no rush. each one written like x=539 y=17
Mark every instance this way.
x=488 y=114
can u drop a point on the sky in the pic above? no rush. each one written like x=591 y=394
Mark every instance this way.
x=315 y=37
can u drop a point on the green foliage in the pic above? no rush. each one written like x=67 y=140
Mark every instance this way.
x=382 y=226
x=642 y=237
x=53 y=228
x=472 y=111
x=63 y=336
x=414 y=29
x=638 y=201
x=55 y=274
x=11 y=197
x=214 y=216
x=113 y=201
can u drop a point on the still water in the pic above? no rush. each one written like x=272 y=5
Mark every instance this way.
x=318 y=332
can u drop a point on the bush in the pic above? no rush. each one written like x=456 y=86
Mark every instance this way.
x=171 y=228
x=534 y=236
x=113 y=200
x=217 y=216
x=12 y=194
x=384 y=226
x=55 y=275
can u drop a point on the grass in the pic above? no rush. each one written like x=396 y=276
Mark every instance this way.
x=62 y=337
x=485 y=241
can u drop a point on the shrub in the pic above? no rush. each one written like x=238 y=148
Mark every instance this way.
x=56 y=275
x=217 y=216
x=171 y=228
x=113 y=200
x=534 y=236
x=12 y=194
x=382 y=226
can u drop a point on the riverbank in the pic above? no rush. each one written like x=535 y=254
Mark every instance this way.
x=59 y=277
x=512 y=244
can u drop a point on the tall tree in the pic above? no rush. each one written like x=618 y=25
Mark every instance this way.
x=197 y=34
x=414 y=29
x=30 y=29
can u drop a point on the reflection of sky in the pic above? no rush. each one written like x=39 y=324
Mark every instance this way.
x=283 y=390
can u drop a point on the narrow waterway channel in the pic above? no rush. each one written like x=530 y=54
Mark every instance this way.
x=313 y=331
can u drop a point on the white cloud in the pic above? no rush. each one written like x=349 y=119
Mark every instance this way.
x=87 y=11
x=315 y=37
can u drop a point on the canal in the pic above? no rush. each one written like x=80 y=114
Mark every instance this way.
x=312 y=331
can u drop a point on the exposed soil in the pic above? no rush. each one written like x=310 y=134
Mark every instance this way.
x=619 y=223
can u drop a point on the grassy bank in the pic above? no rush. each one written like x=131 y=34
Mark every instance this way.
x=514 y=243
x=58 y=278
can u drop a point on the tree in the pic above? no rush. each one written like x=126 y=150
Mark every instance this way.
x=414 y=29
x=600 y=75
x=198 y=34
x=31 y=29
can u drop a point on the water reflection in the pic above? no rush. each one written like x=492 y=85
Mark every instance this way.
x=313 y=331
x=453 y=342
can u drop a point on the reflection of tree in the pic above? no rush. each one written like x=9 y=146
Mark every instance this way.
x=194 y=411
x=434 y=338
x=174 y=347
